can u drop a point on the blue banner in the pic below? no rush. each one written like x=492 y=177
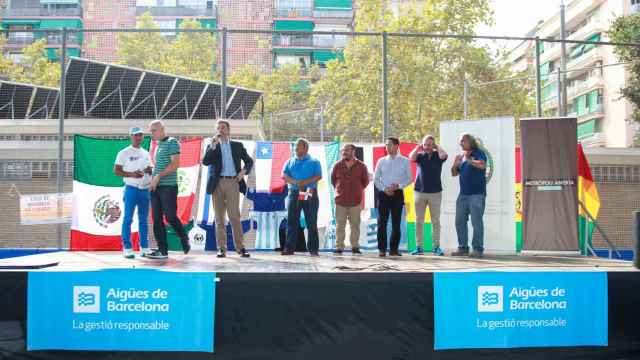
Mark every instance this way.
x=121 y=309
x=507 y=310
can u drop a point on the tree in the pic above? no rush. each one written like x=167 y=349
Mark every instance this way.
x=37 y=68
x=142 y=49
x=425 y=74
x=192 y=54
x=284 y=89
x=626 y=29
x=34 y=67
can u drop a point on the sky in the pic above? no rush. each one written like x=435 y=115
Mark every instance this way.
x=517 y=17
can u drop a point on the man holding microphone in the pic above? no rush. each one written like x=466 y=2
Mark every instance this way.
x=225 y=185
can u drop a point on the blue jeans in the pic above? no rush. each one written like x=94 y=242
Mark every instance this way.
x=134 y=197
x=310 y=208
x=470 y=205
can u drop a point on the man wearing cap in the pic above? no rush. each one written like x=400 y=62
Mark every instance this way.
x=133 y=164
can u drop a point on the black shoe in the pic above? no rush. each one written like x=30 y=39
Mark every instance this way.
x=243 y=252
x=313 y=253
x=460 y=252
x=186 y=249
x=356 y=251
x=286 y=252
x=158 y=255
x=476 y=254
x=221 y=254
x=337 y=251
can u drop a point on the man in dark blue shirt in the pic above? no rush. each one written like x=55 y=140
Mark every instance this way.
x=470 y=167
x=429 y=158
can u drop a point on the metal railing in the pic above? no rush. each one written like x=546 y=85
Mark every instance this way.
x=41 y=11
x=293 y=12
x=176 y=11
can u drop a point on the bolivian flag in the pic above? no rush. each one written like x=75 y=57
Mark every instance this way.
x=588 y=196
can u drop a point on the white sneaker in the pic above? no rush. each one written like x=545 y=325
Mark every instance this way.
x=144 y=252
x=128 y=254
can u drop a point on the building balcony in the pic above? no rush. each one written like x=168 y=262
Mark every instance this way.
x=333 y=14
x=593 y=26
x=598 y=112
x=585 y=60
x=597 y=139
x=330 y=41
x=295 y=41
x=52 y=39
x=294 y=12
x=584 y=86
x=41 y=11
x=176 y=11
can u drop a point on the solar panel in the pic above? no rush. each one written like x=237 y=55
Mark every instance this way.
x=25 y=101
x=113 y=91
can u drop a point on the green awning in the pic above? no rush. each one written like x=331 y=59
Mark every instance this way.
x=587 y=47
x=20 y=22
x=292 y=25
x=550 y=91
x=291 y=51
x=586 y=129
x=577 y=51
x=46 y=2
x=60 y=23
x=544 y=70
x=333 y=4
x=592 y=101
x=322 y=56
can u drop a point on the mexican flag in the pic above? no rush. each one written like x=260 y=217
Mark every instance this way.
x=98 y=206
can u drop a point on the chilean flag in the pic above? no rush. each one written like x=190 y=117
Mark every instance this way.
x=270 y=159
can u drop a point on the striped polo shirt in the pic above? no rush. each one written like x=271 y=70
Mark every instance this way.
x=166 y=147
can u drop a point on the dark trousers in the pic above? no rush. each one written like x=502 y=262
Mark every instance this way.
x=389 y=205
x=164 y=203
x=310 y=208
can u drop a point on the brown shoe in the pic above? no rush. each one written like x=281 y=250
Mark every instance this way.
x=287 y=252
x=394 y=253
x=460 y=252
x=355 y=251
x=382 y=254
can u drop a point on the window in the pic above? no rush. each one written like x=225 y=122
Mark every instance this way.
x=23 y=34
x=166 y=25
x=301 y=60
x=15 y=57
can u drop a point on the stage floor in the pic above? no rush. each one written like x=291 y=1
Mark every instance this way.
x=327 y=262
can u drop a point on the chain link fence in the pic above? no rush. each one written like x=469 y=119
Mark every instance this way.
x=322 y=85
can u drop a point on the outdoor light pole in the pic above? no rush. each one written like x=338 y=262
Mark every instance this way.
x=385 y=89
x=538 y=80
x=466 y=98
x=562 y=85
x=223 y=75
x=61 y=109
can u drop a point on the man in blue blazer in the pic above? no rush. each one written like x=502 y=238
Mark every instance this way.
x=225 y=185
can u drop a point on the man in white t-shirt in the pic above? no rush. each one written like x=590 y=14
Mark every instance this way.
x=133 y=163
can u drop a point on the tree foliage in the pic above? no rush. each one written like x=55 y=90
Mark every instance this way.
x=34 y=67
x=191 y=54
x=626 y=29
x=425 y=74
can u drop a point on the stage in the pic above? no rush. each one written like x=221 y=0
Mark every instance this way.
x=329 y=307
x=327 y=262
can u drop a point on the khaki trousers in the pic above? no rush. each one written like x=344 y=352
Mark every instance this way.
x=433 y=200
x=352 y=214
x=226 y=199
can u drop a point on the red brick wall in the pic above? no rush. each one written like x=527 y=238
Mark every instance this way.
x=100 y=14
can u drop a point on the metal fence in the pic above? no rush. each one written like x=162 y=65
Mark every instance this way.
x=322 y=85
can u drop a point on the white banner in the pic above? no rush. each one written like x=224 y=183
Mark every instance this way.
x=497 y=137
x=38 y=209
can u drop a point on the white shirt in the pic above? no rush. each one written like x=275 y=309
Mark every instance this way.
x=393 y=170
x=133 y=159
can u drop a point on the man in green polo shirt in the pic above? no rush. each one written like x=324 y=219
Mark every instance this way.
x=164 y=190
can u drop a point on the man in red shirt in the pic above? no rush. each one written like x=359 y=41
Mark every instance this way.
x=349 y=177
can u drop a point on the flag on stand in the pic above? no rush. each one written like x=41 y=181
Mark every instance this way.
x=588 y=197
x=98 y=206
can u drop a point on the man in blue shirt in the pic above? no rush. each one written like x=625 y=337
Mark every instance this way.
x=470 y=167
x=302 y=173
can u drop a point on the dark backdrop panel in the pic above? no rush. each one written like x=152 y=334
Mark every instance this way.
x=550 y=182
x=332 y=316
